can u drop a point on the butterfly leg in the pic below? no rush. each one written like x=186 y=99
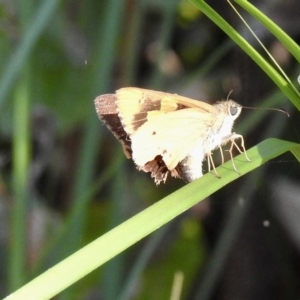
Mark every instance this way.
x=232 y=139
x=222 y=155
x=210 y=162
x=231 y=156
x=233 y=143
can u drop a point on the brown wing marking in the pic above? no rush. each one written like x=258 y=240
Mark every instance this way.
x=107 y=112
x=158 y=169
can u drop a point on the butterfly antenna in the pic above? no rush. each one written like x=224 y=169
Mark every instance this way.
x=266 y=108
x=229 y=94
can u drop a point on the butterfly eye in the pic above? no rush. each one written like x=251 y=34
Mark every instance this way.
x=233 y=110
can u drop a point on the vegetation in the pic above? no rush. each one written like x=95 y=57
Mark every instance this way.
x=65 y=182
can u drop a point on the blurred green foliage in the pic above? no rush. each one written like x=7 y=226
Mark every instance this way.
x=63 y=177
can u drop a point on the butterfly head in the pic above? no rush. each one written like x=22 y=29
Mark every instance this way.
x=229 y=108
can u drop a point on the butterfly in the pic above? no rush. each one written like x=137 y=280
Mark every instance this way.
x=167 y=133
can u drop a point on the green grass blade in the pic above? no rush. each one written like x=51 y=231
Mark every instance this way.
x=21 y=137
x=21 y=158
x=285 y=39
x=131 y=231
x=285 y=86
